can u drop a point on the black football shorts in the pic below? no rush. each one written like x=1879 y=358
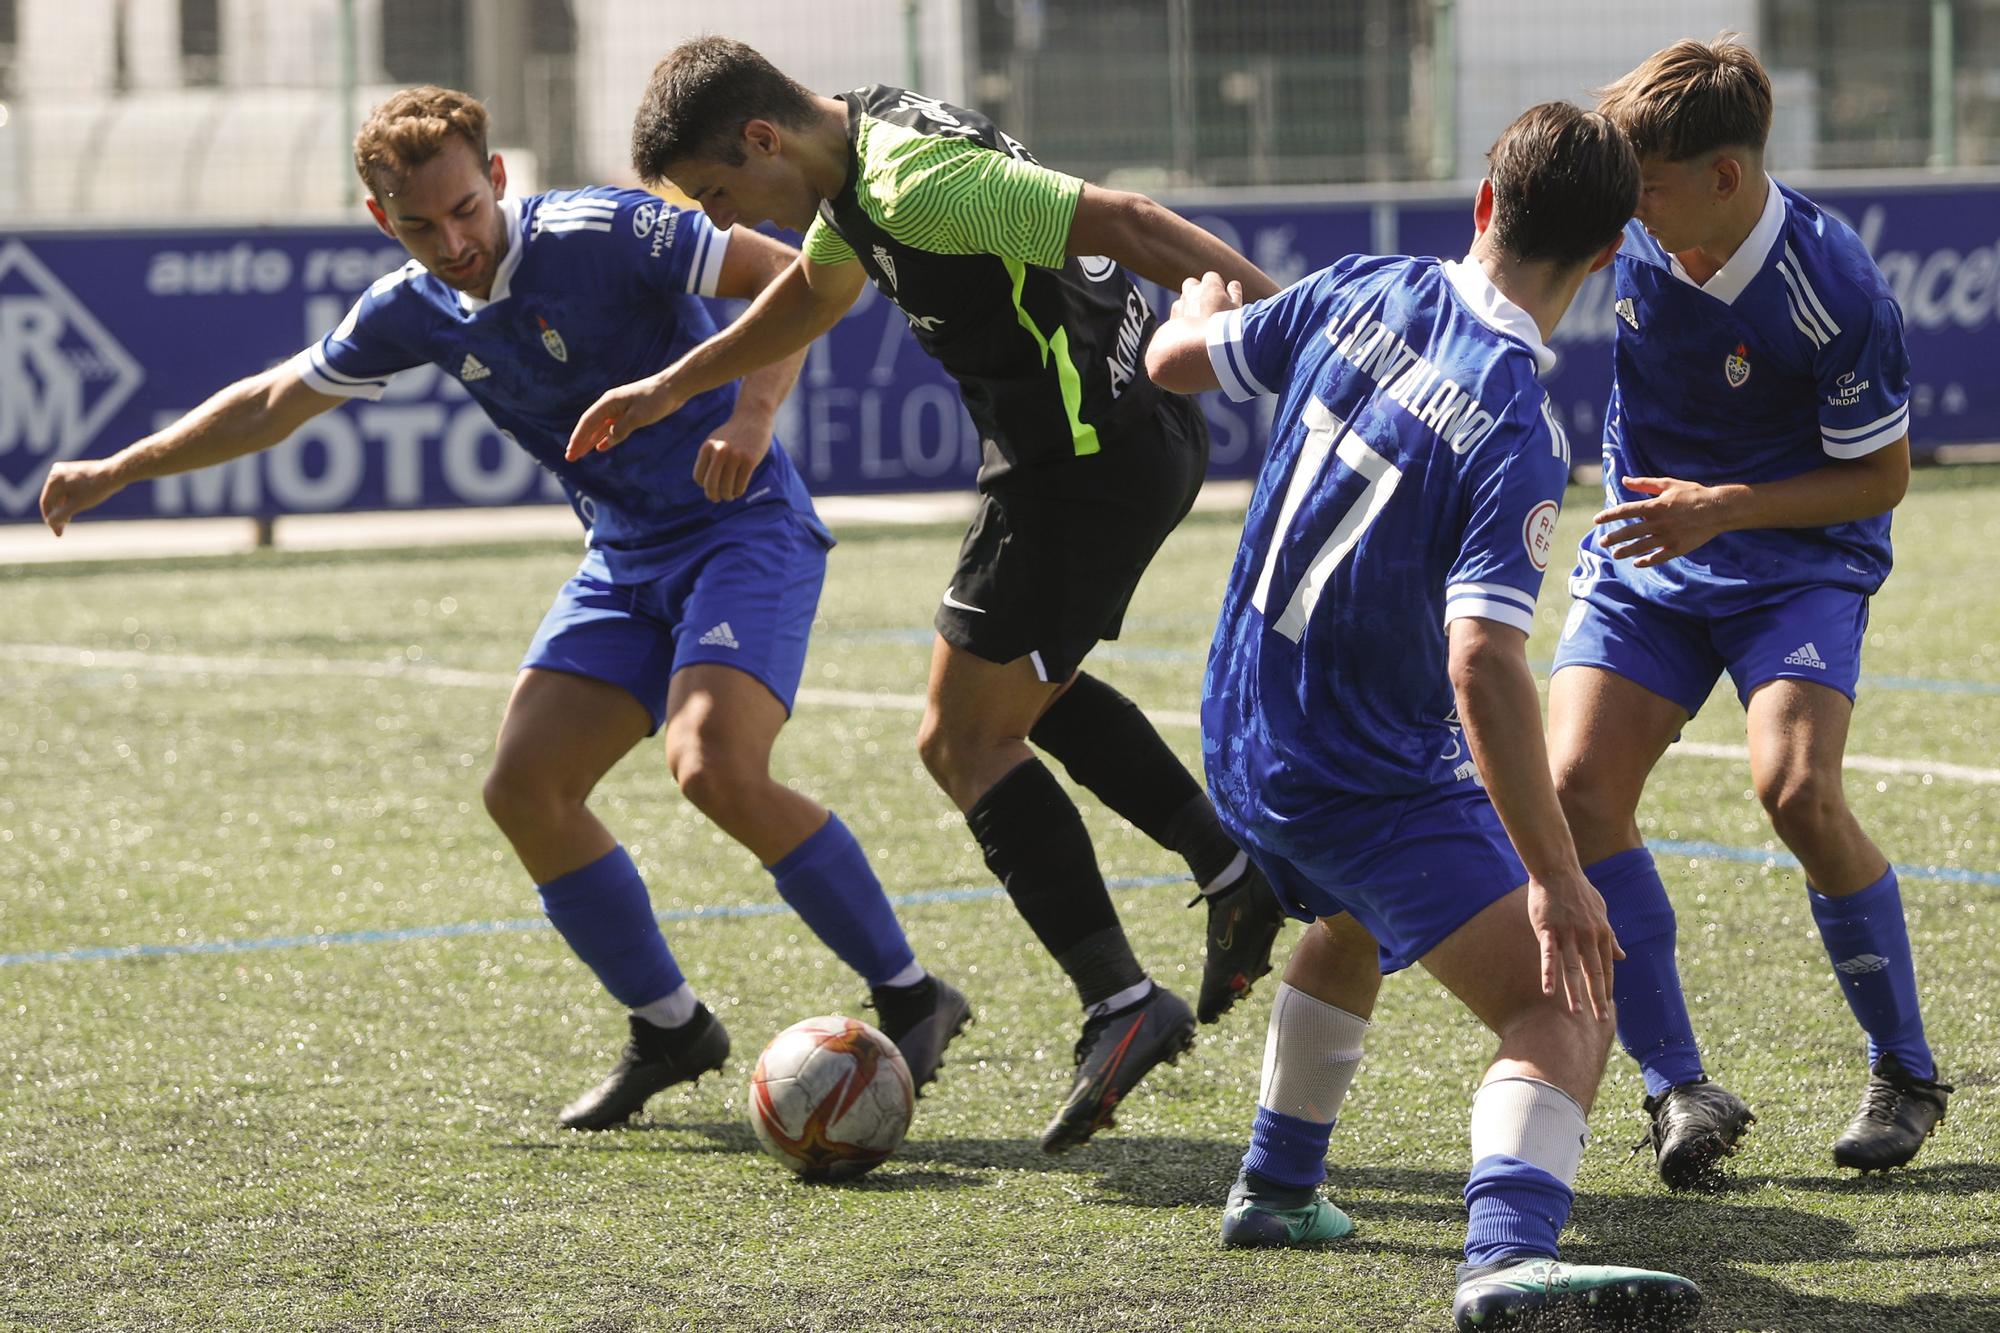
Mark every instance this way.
x=1054 y=553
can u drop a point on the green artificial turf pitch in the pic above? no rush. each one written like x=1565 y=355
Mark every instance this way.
x=285 y=1033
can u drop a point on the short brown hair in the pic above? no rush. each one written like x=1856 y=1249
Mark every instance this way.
x=699 y=99
x=1693 y=98
x=1565 y=182
x=413 y=127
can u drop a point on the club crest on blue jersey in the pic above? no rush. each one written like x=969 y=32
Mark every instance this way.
x=553 y=340
x=1737 y=367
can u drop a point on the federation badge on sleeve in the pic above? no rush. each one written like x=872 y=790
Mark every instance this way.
x=1736 y=368
x=558 y=349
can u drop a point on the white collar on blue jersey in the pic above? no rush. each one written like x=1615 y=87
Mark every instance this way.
x=1748 y=261
x=510 y=211
x=1488 y=302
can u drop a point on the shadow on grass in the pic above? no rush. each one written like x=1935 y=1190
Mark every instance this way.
x=1935 y=1178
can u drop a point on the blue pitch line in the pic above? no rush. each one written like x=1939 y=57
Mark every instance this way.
x=1713 y=851
x=730 y=911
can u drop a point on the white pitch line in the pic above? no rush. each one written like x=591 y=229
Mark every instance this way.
x=185 y=665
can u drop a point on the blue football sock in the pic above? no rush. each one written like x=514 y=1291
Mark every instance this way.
x=1286 y=1150
x=829 y=883
x=1517 y=1210
x=1653 y=1023
x=1869 y=944
x=604 y=913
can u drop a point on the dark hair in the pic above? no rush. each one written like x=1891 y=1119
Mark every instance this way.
x=411 y=128
x=1693 y=98
x=1565 y=183
x=699 y=99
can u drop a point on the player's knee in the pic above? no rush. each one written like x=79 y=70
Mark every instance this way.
x=1801 y=803
x=939 y=747
x=519 y=799
x=715 y=779
x=1589 y=805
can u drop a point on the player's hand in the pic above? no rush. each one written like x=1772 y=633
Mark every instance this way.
x=1679 y=518
x=618 y=412
x=74 y=487
x=728 y=457
x=1202 y=297
x=1577 y=944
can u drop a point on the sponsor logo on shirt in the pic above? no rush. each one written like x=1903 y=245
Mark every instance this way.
x=1538 y=533
x=553 y=341
x=1124 y=358
x=1736 y=367
x=1097 y=267
x=473 y=369
x=1805 y=655
x=663 y=234
x=643 y=218
x=1628 y=312
x=1847 y=391
x=887 y=263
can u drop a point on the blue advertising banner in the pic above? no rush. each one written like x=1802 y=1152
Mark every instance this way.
x=106 y=336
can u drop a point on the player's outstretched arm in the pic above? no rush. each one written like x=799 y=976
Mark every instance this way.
x=249 y=415
x=804 y=302
x=1679 y=516
x=1157 y=243
x=729 y=456
x=1177 y=358
x=1502 y=716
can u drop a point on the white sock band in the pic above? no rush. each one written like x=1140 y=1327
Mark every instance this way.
x=1228 y=876
x=1132 y=994
x=1534 y=1121
x=670 y=1010
x=909 y=976
x=1311 y=1051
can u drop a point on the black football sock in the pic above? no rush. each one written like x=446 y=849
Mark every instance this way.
x=1110 y=748
x=1034 y=841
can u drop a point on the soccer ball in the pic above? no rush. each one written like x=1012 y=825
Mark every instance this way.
x=831 y=1098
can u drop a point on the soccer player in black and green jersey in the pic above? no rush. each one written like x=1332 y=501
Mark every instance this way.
x=1010 y=275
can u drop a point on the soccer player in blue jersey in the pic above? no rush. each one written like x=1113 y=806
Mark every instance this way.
x=702 y=571
x=1372 y=731
x=1756 y=440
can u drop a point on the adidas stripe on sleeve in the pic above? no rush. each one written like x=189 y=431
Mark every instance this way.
x=357 y=359
x=1516 y=482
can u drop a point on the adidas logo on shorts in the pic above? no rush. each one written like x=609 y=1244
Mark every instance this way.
x=720 y=636
x=473 y=369
x=1807 y=656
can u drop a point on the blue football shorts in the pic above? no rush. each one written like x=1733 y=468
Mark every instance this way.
x=1412 y=869
x=1810 y=633
x=744 y=598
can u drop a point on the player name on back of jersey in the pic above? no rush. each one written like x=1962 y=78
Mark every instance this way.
x=1411 y=380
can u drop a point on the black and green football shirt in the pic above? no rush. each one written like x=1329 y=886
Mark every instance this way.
x=964 y=231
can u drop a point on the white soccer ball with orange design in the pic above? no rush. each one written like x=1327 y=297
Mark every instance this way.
x=831 y=1098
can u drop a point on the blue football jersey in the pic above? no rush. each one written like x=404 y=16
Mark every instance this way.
x=1414 y=475
x=1792 y=355
x=598 y=287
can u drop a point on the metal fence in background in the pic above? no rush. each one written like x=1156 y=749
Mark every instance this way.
x=243 y=109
